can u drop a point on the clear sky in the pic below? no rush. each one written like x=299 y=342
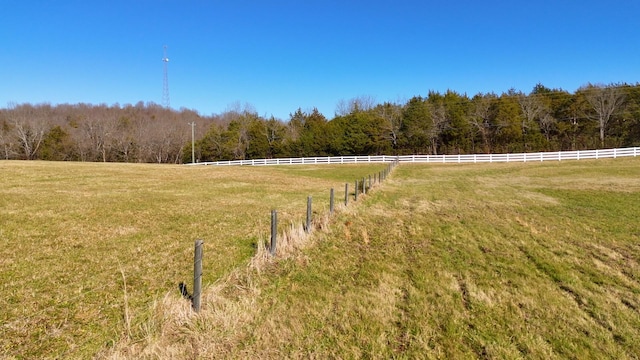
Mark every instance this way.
x=281 y=55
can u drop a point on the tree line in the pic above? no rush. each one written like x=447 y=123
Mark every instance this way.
x=594 y=116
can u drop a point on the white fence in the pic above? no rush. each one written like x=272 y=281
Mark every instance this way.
x=442 y=159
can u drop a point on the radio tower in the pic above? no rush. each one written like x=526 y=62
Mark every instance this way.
x=165 y=81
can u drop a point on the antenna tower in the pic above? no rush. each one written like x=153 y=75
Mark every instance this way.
x=165 y=80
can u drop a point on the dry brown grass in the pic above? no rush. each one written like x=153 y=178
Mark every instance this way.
x=447 y=261
x=230 y=307
x=452 y=266
x=74 y=234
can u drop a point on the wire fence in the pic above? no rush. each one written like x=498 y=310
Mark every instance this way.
x=362 y=186
x=442 y=159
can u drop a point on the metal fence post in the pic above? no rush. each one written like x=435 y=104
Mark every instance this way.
x=197 y=275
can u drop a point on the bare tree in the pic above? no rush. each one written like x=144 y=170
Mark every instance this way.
x=547 y=123
x=98 y=130
x=605 y=101
x=8 y=146
x=532 y=108
x=29 y=128
x=440 y=122
x=480 y=118
x=239 y=136
x=391 y=115
x=124 y=138
x=162 y=137
x=360 y=103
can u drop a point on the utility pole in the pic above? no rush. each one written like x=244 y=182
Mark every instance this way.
x=193 y=142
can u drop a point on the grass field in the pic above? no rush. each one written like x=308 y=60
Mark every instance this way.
x=72 y=235
x=535 y=260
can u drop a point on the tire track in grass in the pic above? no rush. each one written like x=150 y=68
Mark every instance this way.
x=403 y=339
x=579 y=299
x=418 y=333
x=479 y=349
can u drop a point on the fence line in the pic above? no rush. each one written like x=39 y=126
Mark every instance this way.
x=309 y=224
x=442 y=159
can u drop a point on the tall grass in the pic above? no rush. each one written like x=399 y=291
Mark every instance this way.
x=89 y=252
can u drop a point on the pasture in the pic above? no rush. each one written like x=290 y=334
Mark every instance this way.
x=72 y=235
x=535 y=260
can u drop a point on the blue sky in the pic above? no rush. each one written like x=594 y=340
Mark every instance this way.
x=281 y=55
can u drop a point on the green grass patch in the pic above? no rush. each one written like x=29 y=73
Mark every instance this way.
x=475 y=261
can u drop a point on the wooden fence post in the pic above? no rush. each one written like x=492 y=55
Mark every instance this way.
x=274 y=232
x=197 y=275
x=346 y=194
x=364 y=186
x=331 y=202
x=356 y=194
x=308 y=227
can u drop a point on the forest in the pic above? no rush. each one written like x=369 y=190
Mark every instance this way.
x=594 y=116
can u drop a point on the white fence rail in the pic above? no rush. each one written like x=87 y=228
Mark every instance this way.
x=442 y=159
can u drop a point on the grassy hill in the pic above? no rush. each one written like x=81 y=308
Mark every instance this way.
x=535 y=260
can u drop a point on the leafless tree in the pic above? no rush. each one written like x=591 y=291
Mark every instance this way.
x=439 y=125
x=532 y=108
x=124 y=137
x=239 y=139
x=605 y=101
x=360 y=103
x=98 y=130
x=391 y=115
x=162 y=137
x=480 y=118
x=28 y=128
x=274 y=131
x=547 y=123
x=6 y=140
